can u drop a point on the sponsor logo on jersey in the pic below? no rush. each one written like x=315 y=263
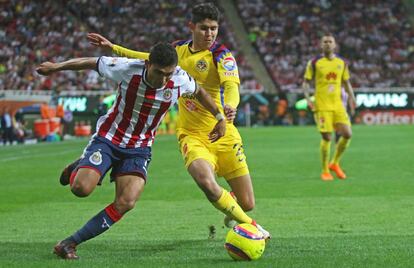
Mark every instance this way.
x=190 y=105
x=230 y=74
x=201 y=65
x=167 y=94
x=330 y=76
x=229 y=64
x=96 y=158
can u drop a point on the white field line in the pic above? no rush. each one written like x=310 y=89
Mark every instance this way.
x=37 y=155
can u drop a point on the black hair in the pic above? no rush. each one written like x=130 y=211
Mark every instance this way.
x=163 y=54
x=204 y=11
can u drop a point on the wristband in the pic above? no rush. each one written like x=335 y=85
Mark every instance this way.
x=219 y=116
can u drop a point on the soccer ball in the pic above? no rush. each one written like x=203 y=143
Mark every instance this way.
x=244 y=242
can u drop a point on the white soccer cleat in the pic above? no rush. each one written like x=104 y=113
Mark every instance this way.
x=266 y=234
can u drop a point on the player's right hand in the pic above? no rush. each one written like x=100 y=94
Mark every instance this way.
x=311 y=105
x=100 y=41
x=218 y=131
x=46 y=68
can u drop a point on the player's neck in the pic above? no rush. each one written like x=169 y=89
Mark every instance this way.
x=329 y=55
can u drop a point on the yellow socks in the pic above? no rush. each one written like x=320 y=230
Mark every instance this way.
x=325 y=151
x=229 y=206
x=340 y=149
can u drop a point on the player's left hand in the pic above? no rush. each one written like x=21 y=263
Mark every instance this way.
x=352 y=106
x=218 y=131
x=46 y=68
x=230 y=112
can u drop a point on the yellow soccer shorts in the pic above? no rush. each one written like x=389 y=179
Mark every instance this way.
x=326 y=120
x=226 y=155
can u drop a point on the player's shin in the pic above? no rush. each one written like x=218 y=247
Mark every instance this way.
x=97 y=225
x=229 y=206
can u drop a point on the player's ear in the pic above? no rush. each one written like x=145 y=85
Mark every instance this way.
x=191 y=25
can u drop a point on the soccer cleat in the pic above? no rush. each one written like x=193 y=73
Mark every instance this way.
x=266 y=234
x=66 y=249
x=338 y=171
x=326 y=176
x=67 y=171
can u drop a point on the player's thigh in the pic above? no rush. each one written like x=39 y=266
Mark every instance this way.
x=231 y=160
x=86 y=179
x=242 y=188
x=193 y=148
x=324 y=121
x=343 y=124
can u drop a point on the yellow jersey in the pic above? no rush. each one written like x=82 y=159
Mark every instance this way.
x=328 y=75
x=210 y=68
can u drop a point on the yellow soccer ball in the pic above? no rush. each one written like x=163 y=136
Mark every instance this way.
x=244 y=242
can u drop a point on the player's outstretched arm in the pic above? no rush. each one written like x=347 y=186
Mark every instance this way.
x=100 y=41
x=220 y=128
x=47 y=68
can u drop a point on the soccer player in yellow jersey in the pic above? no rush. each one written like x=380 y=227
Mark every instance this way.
x=329 y=73
x=215 y=69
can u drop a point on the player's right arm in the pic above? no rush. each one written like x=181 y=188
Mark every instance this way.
x=47 y=68
x=100 y=41
x=306 y=85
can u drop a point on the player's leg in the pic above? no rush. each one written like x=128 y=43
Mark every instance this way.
x=343 y=126
x=342 y=144
x=324 y=121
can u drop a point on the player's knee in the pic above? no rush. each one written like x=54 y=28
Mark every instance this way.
x=81 y=189
x=248 y=205
x=347 y=135
x=123 y=205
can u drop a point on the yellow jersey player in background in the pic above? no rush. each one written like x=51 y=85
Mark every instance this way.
x=214 y=68
x=329 y=73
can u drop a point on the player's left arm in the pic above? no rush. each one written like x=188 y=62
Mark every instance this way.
x=351 y=96
x=231 y=99
x=205 y=99
x=76 y=64
x=349 y=89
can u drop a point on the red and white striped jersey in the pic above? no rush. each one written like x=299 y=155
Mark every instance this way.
x=138 y=110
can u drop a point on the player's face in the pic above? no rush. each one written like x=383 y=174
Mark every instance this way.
x=204 y=33
x=328 y=44
x=158 y=76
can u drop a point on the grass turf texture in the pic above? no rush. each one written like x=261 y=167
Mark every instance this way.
x=364 y=221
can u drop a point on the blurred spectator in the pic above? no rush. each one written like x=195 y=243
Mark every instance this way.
x=7 y=126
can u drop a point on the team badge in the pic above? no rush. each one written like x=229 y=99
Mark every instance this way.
x=339 y=67
x=167 y=94
x=96 y=158
x=229 y=64
x=201 y=65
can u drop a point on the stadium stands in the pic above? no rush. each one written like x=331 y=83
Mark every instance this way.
x=375 y=36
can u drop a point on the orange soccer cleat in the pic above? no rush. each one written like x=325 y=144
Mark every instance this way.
x=326 y=176
x=338 y=171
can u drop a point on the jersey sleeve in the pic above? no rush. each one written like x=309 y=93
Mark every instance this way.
x=309 y=71
x=188 y=85
x=231 y=94
x=227 y=67
x=125 y=52
x=346 y=75
x=112 y=68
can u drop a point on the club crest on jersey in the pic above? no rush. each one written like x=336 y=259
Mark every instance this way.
x=167 y=94
x=96 y=158
x=201 y=65
x=229 y=64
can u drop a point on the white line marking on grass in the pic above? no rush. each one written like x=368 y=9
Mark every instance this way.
x=40 y=155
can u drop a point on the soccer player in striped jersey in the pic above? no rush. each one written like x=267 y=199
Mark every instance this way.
x=330 y=72
x=125 y=134
x=214 y=67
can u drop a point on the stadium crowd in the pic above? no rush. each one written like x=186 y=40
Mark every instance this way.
x=35 y=31
x=375 y=36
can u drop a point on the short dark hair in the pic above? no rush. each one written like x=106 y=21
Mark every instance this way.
x=328 y=34
x=204 y=11
x=163 y=54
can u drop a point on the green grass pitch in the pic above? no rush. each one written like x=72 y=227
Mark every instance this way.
x=364 y=221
